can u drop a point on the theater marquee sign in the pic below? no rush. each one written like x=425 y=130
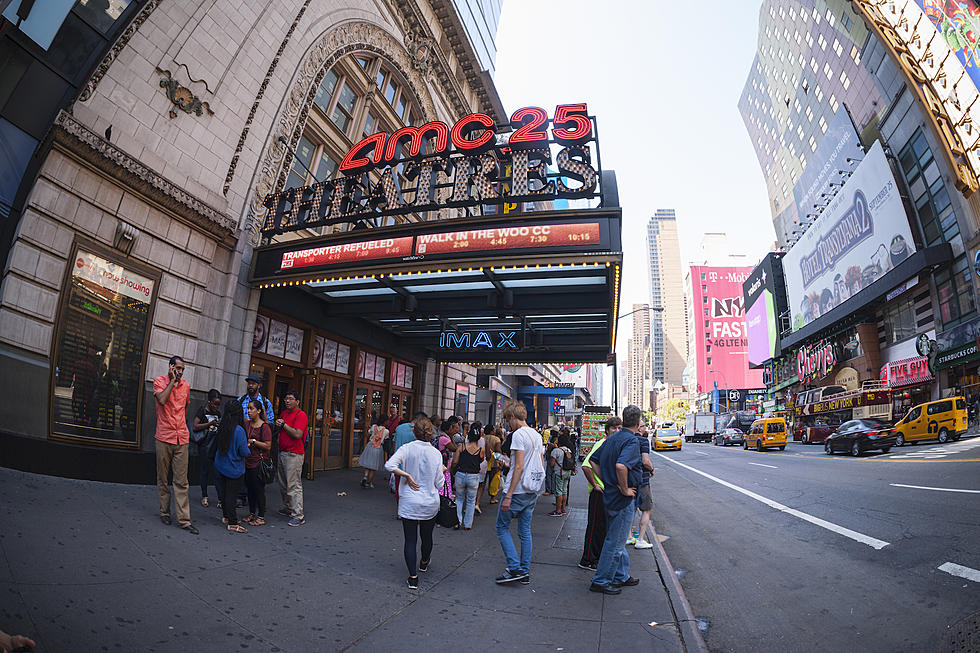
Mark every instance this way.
x=937 y=78
x=435 y=166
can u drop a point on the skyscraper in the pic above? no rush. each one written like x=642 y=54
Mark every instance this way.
x=668 y=336
x=638 y=359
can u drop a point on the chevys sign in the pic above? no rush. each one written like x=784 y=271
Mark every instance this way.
x=433 y=166
x=815 y=361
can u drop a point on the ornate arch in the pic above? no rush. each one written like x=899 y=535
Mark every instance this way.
x=335 y=44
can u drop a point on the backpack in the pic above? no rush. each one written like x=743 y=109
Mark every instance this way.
x=567 y=461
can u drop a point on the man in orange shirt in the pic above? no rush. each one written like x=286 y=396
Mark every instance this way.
x=173 y=394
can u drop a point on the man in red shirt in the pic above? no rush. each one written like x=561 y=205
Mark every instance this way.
x=172 y=394
x=292 y=423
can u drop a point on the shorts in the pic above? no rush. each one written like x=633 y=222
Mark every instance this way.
x=561 y=482
x=644 y=498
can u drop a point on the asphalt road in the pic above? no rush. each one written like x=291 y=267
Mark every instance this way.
x=800 y=551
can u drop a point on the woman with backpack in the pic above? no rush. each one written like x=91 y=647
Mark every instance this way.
x=259 y=436
x=563 y=463
x=231 y=450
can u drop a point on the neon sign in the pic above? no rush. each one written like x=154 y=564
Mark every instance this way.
x=433 y=167
x=815 y=361
x=479 y=340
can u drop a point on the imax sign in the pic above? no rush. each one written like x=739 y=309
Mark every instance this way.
x=480 y=340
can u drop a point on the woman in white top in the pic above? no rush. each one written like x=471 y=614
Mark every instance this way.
x=420 y=464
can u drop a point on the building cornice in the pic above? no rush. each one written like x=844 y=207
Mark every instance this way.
x=74 y=137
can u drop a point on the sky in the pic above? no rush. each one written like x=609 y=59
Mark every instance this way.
x=663 y=82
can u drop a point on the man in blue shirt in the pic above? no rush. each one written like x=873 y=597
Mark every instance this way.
x=252 y=385
x=618 y=468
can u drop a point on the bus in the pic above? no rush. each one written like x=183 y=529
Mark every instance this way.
x=819 y=412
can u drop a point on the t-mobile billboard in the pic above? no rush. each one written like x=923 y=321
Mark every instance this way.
x=765 y=300
x=861 y=235
x=720 y=332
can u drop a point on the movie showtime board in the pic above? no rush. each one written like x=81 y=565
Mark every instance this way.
x=722 y=344
x=436 y=166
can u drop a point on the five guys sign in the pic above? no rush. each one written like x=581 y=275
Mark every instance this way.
x=462 y=166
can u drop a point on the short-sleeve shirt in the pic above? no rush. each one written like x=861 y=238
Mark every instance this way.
x=270 y=417
x=559 y=457
x=296 y=419
x=172 y=416
x=262 y=434
x=644 y=449
x=527 y=440
x=622 y=448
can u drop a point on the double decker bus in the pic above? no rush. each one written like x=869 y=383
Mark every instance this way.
x=819 y=412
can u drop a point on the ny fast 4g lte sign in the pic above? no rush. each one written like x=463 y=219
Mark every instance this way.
x=469 y=341
x=435 y=166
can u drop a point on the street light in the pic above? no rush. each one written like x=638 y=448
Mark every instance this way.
x=658 y=309
x=725 y=381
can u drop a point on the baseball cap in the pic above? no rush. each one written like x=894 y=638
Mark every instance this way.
x=253 y=377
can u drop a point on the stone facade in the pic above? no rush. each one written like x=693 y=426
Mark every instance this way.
x=175 y=141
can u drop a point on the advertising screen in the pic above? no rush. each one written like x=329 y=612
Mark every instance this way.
x=722 y=345
x=861 y=235
x=765 y=301
x=959 y=23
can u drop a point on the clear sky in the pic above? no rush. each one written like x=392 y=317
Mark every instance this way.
x=663 y=80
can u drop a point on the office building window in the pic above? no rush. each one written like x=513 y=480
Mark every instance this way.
x=899 y=321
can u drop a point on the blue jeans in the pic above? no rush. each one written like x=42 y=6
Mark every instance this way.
x=614 y=563
x=522 y=509
x=466 y=485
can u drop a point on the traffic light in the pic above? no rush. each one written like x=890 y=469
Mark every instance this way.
x=555 y=404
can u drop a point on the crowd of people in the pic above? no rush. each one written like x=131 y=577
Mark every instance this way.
x=437 y=466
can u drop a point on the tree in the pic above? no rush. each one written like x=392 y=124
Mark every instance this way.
x=673 y=410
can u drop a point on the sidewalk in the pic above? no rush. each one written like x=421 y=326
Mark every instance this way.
x=88 y=566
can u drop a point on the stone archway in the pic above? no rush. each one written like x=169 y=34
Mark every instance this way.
x=335 y=44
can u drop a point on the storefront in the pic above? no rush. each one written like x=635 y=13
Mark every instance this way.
x=911 y=383
x=961 y=370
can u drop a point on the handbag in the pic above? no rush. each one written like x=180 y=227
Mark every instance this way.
x=267 y=471
x=447 y=517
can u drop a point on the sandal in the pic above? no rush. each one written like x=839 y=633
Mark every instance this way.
x=236 y=528
x=258 y=521
x=250 y=519
x=224 y=520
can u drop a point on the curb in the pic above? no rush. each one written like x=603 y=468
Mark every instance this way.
x=686 y=622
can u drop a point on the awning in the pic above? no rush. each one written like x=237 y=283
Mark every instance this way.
x=540 y=287
x=907 y=372
x=793 y=380
x=958 y=356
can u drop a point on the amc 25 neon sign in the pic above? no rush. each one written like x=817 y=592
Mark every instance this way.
x=434 y=166
x=479 y=340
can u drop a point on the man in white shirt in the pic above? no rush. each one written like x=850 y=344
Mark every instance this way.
x=521 y=489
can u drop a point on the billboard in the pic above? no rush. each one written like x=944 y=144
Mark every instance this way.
x=721 y=346
x=765 y=300
x=838 y=144
x=959 y=23
x=861 y=235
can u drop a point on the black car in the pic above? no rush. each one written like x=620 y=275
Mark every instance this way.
x=726 y=437
x=860 y=435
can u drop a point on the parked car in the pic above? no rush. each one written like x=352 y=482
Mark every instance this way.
x=766 y=433
x=943 y=420
x=728 y=436
x=667 y=439
x=860 y=435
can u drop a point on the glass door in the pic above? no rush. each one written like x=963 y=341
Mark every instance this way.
x=368 y=404
x=336 y=424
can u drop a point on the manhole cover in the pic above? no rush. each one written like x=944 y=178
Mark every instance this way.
x=963 y=636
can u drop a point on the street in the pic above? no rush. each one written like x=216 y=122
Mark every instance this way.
x=801 y=551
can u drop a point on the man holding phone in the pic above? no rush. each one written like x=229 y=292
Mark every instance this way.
x=172 y=394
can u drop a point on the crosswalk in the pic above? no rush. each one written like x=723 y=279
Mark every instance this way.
x=935 y=453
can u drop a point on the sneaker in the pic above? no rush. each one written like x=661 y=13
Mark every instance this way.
x=509 y=577
x=297 y=521
x=370 y=486
x=642 y=544
x=632 y=540
x=423 y=566
x=413 y=582
x=629 y=582
x=554 y=513
x=526 y=580
x=282 y=511
x=204 y=501
x=363 y=483
x=604 y=589
x=584 y=566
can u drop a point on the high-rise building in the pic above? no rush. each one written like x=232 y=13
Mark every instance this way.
x=806 y=69
x=480 y=19
x=668 y=335
x=638 y=360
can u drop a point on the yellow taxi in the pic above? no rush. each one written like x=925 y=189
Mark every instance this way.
x=766 y=433
x=667 y=438
x=943 y=420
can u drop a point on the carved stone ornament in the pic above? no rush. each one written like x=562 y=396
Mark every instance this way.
x=181 y=97
x=420 y=51
x=75 y=137
x=327 y=51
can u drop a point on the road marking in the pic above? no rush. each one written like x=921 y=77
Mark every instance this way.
x=830 y=526
x=961 y=571
x=761 y=465
x=701 y=453
x=938 y=489
x=937 y=452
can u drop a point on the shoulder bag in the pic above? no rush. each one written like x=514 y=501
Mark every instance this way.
x=267 y=465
